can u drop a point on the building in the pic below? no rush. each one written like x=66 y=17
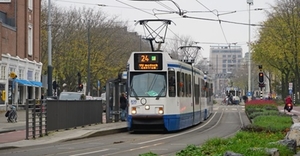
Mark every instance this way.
x=20 y=51
x=225 y=61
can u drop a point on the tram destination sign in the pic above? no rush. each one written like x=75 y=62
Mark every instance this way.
x=148 y=61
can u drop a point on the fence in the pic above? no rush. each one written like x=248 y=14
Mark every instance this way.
x=64 y=114
x=36 y=112
x=44 y=116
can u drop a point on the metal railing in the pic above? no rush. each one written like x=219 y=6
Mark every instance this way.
x=43 y=116
x=36 y=118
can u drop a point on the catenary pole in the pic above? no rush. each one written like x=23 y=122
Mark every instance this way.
x=250 y=2
x=49 y=51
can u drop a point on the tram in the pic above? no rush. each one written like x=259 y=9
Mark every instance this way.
x=166 y=94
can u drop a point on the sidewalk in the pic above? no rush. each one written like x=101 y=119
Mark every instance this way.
x=13 y=135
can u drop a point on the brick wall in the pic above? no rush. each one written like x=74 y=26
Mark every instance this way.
x=14 y=41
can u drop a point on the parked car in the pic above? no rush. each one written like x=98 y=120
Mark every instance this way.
x=71 y=96
x=51 y=98
x=89 y=98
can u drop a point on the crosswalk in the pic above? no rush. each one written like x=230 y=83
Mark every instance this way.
x=229 y=108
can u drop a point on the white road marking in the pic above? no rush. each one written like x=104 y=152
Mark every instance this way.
x=179 y=134
x=90 y=152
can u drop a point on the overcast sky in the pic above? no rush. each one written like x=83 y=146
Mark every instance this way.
x=206 y=32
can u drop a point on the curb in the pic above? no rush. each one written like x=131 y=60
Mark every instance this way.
x=88 y=135
x=98 y=133
x=6 y=131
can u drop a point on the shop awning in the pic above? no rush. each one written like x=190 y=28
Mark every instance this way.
x=24 y=82
x=37 y=83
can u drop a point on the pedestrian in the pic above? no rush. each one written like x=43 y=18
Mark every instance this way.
x=123 y=106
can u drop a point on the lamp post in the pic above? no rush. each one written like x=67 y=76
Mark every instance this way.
x=49 y=51
x=250 y=2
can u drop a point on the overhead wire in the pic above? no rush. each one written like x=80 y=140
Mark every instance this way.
x=165 y=6
x=135 y=7
x=151 y=14
x=184 y=16
x=216 y=14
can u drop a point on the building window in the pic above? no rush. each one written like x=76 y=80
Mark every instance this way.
x=3 y=71
x=30 y=75
x=224 y=56
x=12 y=69
x=30 y=4
x=36 y=76
x=30 y=40
x=21 y=73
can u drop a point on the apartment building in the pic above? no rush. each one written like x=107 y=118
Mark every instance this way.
x=20 y=51
x=225 y=61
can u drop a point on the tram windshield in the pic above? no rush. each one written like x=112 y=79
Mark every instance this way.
x=148 y=84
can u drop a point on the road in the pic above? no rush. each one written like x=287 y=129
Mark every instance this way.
x=224 y=122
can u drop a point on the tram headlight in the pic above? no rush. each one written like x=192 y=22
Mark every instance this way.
x=147 y=107
x=160 y=110
x=133 y=110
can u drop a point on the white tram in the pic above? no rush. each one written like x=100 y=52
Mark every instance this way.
x=166 y=94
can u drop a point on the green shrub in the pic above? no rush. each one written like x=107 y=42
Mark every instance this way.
x=273 y=123
x=266 y=113
x=190 y=150
x=148 y=154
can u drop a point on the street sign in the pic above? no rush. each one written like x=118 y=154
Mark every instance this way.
x=249 y=94
x=290 y=86
x=98 y=84
x=290 y=91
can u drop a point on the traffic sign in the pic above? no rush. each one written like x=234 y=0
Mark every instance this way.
x=249 y=94
x=98 y=84
x=290 y=91
x=290 y=86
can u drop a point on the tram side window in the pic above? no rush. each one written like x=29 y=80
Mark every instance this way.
x=189 y=86
x=197 y=92
x=203 y=90
x=172 y=84
x=179 y=87
x=183 y=79
x=186 y=85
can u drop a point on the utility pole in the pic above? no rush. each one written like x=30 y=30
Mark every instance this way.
x=250 y=2
x=49 y=51
x=89 y=61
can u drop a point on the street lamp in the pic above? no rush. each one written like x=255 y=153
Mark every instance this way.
x=250 y=2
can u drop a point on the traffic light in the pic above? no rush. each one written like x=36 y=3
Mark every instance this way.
x=261 y=85
x=261 y=77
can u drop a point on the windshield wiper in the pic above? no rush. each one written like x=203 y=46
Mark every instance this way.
x=159 y=94
x=135 y=94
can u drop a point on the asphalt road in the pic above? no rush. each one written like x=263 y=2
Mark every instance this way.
x=224 y=122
